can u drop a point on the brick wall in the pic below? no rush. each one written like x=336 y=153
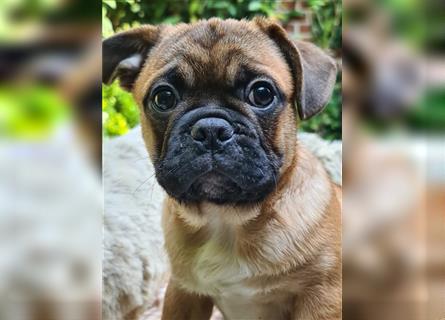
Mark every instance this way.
x=298 y=27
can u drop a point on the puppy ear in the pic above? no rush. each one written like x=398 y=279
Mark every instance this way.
x=124 y=54
x=313 y=71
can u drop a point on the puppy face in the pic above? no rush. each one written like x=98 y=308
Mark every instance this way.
x=211 y=95
x=217 y=105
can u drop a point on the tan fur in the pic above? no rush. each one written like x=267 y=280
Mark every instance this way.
x=276 y=259
x=284 y=251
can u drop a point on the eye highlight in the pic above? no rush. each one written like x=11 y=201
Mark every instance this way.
x=164 y=99
x=261 y=94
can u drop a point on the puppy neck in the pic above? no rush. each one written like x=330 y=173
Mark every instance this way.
x=303 y=188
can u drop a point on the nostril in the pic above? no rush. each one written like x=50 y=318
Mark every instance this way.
x=225 y=133
x=198 y=133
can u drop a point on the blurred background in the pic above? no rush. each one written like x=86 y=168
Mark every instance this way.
x=393 y=159
x=50 y=159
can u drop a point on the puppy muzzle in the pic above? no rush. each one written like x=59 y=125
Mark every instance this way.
x=216 y=154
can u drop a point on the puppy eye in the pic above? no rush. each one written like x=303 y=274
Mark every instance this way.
x=261 y=95
x=164 y=99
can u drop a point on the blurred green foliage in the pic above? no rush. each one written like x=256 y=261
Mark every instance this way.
x=429 y=114
x=30 y=113
x=119 y=113
x=124 y=14
x=328 y=123
x=326 y=23
x=425 y=116
x=20 y=18
x=326 y=33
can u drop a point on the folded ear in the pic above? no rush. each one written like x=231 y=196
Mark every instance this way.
x=124 y=53
x=313 y=71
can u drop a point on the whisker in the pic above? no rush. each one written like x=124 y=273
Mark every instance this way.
x=144 y=182
x=169 y=172
x=275 y=180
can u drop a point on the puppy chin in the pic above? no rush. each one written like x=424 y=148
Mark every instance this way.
x=219 y=188
x=213 y=187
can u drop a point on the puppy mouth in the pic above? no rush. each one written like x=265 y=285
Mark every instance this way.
x=213 y=184
x=217 y=178
x=204 y=174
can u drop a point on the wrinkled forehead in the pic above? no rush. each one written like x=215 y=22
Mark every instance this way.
x=216 y=53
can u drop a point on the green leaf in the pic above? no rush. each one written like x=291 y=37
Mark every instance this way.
x=232 y=10
x=254 y=6
x=110 y=3
x=219 y=5
x=107 y=27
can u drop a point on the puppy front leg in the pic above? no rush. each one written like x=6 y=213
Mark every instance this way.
x=181 y=305
x=319 y=303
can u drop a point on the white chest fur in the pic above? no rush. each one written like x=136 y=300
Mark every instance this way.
x=216 y=268
x=218 y=271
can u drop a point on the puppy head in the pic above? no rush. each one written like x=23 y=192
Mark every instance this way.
x=217 y=100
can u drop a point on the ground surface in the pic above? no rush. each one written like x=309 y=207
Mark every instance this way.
x=154 y=313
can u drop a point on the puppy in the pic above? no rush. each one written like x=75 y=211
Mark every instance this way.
x=251 y=221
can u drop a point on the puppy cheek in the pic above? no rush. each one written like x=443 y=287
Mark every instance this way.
x=286 y=135
x=149 y=136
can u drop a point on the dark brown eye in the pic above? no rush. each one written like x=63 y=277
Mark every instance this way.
x=164 y=100
x=261 y=95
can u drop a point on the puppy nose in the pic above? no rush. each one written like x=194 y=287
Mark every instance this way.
x=212 y=132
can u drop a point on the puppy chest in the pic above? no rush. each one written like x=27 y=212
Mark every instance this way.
x=216 y=270
x=225 y=279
